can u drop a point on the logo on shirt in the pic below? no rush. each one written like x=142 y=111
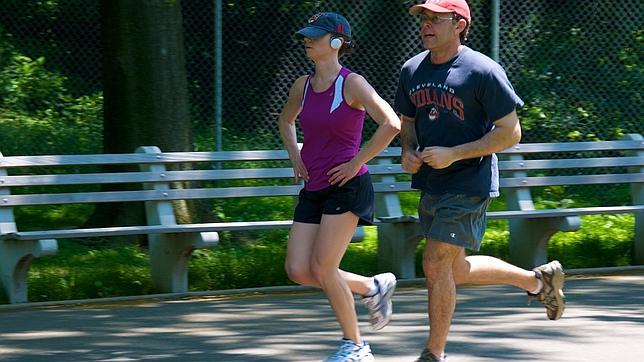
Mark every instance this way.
x=433 y=114
x=437 y=98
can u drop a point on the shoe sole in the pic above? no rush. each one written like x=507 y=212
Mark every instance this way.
x=558 y=280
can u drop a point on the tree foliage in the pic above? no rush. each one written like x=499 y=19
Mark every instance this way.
x=38 y=115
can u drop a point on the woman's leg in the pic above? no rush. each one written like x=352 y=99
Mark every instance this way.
x=298 y=260
x=333 y=237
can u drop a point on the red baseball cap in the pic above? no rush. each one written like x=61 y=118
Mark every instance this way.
x=459 y=7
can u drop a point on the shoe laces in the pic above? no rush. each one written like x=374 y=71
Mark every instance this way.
x=373 y=301
x=347 y=349
x=547 y=295
x=427 y=356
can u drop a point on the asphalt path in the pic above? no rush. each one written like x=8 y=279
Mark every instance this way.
x=604 y=321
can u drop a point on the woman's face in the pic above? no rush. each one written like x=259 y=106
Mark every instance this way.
x=321 y=47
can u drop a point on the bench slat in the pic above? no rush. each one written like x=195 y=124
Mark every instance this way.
x=531 y=214
x=575 y=147
x=268 y=173
x=168 y=176
x=255 y=225
x=553 y=147
x=174 y=194
x=526 y=165
x=138 y=158
x=269 y=155
x=148 y=195
x=138 y=177
x=287 y=190
x=146 y=229
x=571 y=180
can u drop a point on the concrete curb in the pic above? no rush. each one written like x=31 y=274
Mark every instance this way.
x=404 y=283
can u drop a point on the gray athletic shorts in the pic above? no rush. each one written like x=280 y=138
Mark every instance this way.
x=454 y=218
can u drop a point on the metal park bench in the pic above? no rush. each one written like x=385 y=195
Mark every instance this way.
x=38 y=180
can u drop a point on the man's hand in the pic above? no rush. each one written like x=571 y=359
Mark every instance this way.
x=438 y=157
x=411 y=161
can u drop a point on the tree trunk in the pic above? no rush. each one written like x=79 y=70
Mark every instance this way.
x=145 y=88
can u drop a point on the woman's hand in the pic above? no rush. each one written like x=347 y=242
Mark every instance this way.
x=299 y=170
x=342 y=173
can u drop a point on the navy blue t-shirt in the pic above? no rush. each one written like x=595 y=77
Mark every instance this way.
x=455 y=103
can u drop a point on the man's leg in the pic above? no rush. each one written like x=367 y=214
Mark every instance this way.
x=482 y=269
x=544 y=283
x=438 y=259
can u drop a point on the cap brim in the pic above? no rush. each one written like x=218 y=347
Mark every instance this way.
x=310 y=32
x=417 y=9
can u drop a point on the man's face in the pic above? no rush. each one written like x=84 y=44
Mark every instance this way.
x=437 y=29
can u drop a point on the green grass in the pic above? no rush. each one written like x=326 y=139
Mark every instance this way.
x=91 y=268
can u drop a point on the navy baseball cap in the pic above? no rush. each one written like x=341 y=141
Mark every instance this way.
x=323 y=23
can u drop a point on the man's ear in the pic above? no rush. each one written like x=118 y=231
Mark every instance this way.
x=462 y=23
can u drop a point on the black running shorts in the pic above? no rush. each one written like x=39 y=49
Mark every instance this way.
x=355 y=196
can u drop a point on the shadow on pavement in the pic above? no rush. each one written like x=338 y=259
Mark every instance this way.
x=604 y=321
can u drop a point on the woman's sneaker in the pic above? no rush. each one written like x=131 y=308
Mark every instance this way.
x=379 y=305
x=551 y=295
x=349 y=351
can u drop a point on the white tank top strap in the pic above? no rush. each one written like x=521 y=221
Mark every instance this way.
x=306 y=88
x=338 y=93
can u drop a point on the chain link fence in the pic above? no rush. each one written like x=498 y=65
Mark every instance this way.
x=576 y=63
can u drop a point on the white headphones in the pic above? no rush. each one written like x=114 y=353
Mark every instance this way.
x=336 y=43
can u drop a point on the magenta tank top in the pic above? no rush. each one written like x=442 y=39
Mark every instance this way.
x=332 y=131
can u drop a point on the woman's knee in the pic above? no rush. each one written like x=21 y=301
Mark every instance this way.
x=299 y=273
x=321 y=273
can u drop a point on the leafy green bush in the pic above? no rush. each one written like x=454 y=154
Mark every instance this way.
x=37 y=113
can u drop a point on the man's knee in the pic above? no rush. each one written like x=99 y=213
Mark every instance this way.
x=438 y=259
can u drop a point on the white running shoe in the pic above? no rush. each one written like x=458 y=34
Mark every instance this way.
x=352 y=352
x=379 y=305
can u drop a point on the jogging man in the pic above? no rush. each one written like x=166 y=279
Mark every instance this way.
x=458 y=108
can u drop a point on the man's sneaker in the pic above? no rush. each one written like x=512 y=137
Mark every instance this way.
x=551 y=295
x=379 y=305
x=349 y=351
x=427 y=356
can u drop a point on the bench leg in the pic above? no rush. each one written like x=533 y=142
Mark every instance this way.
x=169 y=256
x=637 y=193
x=15 y=259
x=529 y=238
x=638 y=247
x=397 y=243
x=638 y=253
